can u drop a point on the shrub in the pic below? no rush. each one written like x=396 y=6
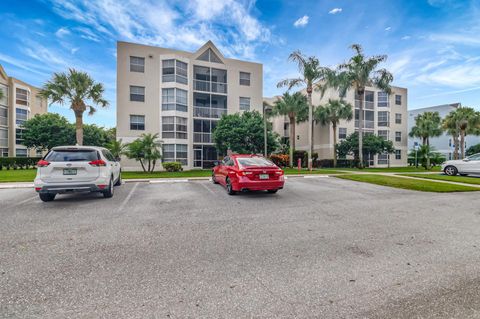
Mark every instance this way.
x=18 y=162
x=280 y=159
x=303 y=155
x=172 y=166
x=345 y=163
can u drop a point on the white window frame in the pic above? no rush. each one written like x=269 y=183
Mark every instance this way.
x=135 y=65
x=340 y=134
x=382 y=99
x=398 y=136
x=174 y=148
x=138 y=93
x=175 y=102
x=134 y=119
x=243 y=106
x=179 y=129
x=245 y=78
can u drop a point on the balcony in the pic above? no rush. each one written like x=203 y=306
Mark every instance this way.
x=208 y=112
x=202 y=137
x=366 y=124
x=207 y=86
x=367 y=105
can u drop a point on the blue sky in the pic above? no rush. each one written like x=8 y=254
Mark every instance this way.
x=433 y=46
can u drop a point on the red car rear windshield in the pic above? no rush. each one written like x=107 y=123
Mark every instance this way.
x=254 y=161
x=72 y=156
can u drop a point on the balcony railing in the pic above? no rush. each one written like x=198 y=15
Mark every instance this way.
x=202 y=137
x=207 y=86
x=366 y=124
x=367 y=105
x=208 y=112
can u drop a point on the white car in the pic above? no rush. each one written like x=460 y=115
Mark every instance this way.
x=69 y=169
x=469 y=165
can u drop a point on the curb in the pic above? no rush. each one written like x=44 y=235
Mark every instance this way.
x=158 y=180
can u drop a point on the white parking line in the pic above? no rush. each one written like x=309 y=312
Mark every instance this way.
x=316 y=176
x=170 y=181
x=204 y=185
x=125 y=201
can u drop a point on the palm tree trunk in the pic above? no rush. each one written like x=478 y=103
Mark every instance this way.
x=361 y=93
x=428 y=153
x=292 y=139
x=143 y=166
x=334 y=144
x=310 y=123
x=79 y=127
x=455 y=141
x=462 y=143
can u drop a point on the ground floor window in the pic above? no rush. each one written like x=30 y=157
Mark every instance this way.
x=398 y=154
x=382 y=159
x=175 y=153
x=21 y=152
x=204 y=156
x=3 y=152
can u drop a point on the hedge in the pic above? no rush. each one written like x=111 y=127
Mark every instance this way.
x=345 y=163
x=18 y=162
x=172 y=166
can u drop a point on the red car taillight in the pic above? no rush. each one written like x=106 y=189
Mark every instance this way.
x=98 y=163
x=42 y=163
x=280 y=172
x=244 y=173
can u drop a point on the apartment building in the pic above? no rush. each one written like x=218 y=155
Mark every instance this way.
x=181 y=96
x=443 y=144
x=20 y=103
x=384 y=115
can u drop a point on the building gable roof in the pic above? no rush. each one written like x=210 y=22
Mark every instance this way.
x=200 y=53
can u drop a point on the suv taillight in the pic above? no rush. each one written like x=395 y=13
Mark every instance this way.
x=98 y=163
x=42 y=163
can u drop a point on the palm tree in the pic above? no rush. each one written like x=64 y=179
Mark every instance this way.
x=146 y=150
x=80 y=90
x=310 y=73
x=358 y=73
x=332 y=113
x=468 y=122
x=427 y=124
x=116 y=147
x=294 y=106
x=450 y=125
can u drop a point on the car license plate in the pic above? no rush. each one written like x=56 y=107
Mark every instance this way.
x=69 y=171
x=264 y=176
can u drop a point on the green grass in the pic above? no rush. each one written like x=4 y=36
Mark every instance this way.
x=405 y=169
x=294 y=171
x=19 y=175
x=29 y=175
x=459 y=179
x=407 y=183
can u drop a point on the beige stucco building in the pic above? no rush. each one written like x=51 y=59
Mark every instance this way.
x=20 y=103
x=385 y=115
x=181 y=96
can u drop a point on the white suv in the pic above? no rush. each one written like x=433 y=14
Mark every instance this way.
x=68 y=169
x=469 y=165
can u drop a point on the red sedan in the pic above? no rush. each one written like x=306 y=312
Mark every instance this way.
x=241 y=173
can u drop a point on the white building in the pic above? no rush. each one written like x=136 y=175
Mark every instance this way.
x=181 y=95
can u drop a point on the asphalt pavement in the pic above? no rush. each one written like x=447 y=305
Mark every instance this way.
x=320 y=248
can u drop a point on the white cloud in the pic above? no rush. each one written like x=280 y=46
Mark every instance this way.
x=62 y=32
x=301 y=22
x=406 y=37
x=388 y=28
x=335 y=11
x=74 y=50
x=183 y=25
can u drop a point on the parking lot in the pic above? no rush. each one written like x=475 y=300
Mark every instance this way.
x=320 y=248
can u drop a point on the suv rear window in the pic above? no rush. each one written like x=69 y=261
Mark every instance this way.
x=72 y=156
x=254 y=161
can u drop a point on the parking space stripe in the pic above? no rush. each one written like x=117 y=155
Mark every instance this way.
x=125 y=201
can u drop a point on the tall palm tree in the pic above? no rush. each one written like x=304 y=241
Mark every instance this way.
x=310 y=73
x=427 y=125
x=468 y=122
x=332 y=113
x=78 y=89
x=358 y=73
x=450 y=125
x=294 y=106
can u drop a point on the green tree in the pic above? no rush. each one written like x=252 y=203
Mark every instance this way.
x=48 y=130
x=450 y=125
x=426 y=155
x=358 y=73
x=146 y=150
x=94 y=135
x=117 y=148
x=468 y=122
x=332 y=113
x=427 y=125
x=295 y=107
x=372 y=145
x=310 y=73
x=80 y=90
x=244 y=133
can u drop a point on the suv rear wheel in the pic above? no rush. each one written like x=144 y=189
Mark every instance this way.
x=46 y=197
x=108 y=193
x=119 y=180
